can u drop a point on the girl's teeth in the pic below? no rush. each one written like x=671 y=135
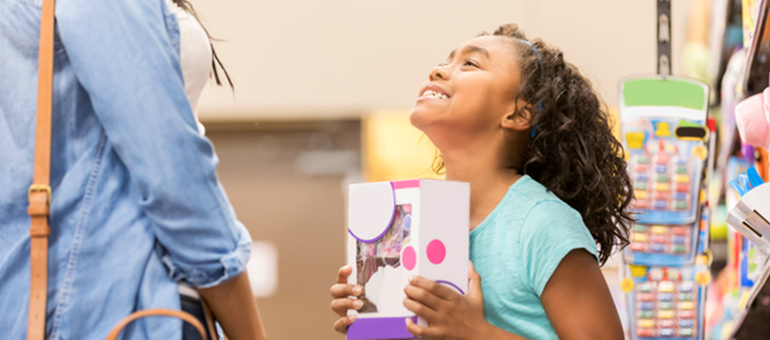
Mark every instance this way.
x=434 y=94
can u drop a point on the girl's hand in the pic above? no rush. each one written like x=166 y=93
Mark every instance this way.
x=449 y=314
x=341 y=293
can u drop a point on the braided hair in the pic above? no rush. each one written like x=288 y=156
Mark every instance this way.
x=188 y=7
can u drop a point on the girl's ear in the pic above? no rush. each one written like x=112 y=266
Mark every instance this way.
x=518 y=119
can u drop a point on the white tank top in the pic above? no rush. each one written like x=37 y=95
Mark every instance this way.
x=195 y=57
x=195 y=60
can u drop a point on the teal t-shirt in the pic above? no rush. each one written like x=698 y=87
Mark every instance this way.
x=517 y=248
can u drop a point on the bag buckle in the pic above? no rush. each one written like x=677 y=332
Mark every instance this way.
x=40 y=187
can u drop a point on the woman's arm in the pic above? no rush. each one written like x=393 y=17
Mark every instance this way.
x=234 y=306
x=578 y=302
x=125 y=58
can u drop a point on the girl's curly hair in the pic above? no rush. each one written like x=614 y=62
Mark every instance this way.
x=574 y=152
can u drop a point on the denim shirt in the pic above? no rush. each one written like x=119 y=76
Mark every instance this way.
x=136 y=205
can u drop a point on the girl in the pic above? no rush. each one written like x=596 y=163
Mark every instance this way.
x=548 y=183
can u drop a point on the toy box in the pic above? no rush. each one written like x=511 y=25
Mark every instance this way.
x=397 y=230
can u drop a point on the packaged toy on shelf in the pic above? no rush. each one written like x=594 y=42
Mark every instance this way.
x=663 y=128
x=668 y=244
x=665 y=301
x=399 y=229
x=749 y=216
x=666 y=137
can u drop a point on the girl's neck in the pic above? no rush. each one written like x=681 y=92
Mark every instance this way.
x=489 y=181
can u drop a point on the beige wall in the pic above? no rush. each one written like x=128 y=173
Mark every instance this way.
x=299 y=208
x=331 y=58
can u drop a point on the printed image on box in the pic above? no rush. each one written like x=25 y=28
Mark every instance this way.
x=379 y=264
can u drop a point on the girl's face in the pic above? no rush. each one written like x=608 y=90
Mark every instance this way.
x=470 y=94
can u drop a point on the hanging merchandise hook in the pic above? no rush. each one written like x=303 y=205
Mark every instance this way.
x=664 y=67
x=663 y=21
x=663 y=29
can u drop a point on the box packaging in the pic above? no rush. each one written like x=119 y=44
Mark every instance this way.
x=397 y=230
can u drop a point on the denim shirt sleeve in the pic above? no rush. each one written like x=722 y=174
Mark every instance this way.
x=125 y=59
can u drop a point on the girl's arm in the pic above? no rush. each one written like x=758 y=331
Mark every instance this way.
x=451 y=315
x=576 y=300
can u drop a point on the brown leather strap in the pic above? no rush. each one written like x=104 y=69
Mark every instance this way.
x=157 y=312
x=209 y=320
x=40 y=191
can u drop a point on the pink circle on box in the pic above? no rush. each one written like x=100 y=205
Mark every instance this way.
x=409 y=258
x=436 y=252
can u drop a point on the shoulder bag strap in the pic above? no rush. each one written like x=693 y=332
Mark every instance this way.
x=186 y=317
x=209 y=320
x=40 y=191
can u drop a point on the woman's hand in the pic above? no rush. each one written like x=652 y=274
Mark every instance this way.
x=449 y=314
x=341 y=293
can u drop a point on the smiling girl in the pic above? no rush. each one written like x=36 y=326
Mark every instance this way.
x=548 y=184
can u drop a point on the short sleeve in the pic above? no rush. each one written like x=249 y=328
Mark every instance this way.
x=550 y=231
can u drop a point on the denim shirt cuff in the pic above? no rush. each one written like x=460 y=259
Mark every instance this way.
x=229 y=266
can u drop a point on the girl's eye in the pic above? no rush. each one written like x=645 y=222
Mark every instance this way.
x=470 y=63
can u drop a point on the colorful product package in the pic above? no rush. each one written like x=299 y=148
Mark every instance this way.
x=666 y=139
x=666 y=301
x=663 y=131
x=397 y=230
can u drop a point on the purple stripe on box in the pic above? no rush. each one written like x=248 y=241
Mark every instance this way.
x=451 y=285
x=380 y=328
x=387 y=227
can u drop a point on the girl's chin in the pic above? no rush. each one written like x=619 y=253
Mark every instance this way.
x=419 y=119
x=421 y=116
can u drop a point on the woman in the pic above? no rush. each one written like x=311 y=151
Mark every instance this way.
x=136 y=206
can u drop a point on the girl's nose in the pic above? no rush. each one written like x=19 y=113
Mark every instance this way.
x=439 y=72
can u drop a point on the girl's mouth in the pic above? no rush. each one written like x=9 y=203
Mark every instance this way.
x=433 y=94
